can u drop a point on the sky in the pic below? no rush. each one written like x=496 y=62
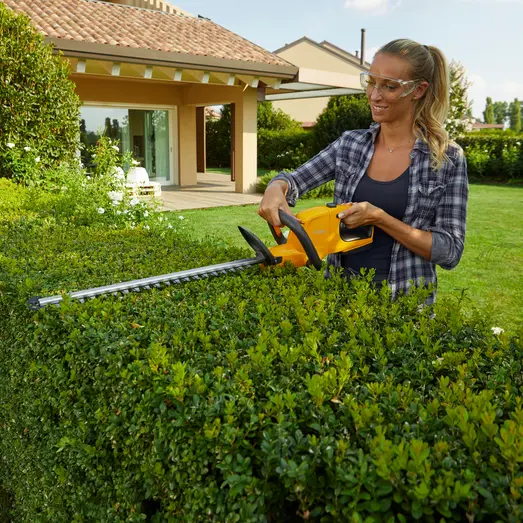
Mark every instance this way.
x=486 y=36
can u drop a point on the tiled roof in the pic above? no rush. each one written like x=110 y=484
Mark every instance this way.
x=99 y=22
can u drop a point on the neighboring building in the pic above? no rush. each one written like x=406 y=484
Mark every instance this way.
x=476 y=126
x=146 y=70
x=340 y=75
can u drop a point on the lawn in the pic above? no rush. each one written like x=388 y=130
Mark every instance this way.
x=490 y=272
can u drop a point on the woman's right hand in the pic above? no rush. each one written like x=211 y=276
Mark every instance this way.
x=273 y=200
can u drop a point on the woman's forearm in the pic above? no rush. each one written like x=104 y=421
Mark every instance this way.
x=416 y=240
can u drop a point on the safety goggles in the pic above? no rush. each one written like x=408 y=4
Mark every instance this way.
x=389 y=88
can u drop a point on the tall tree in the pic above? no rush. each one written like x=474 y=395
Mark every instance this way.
x=500 y=112
x=515 y=115
x=459 y=118
x=488 y=113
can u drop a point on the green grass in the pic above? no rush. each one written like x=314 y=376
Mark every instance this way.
x=490 y=272
x=227 y=170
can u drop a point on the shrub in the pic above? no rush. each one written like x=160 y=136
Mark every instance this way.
x=271 y=119
x=494 y=156
x=218 y=132
x=286 y=149
x=343 y=113
x=324 y=191
x=268 y=395
x=39 y=113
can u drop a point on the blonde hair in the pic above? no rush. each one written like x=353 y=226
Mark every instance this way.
x=430 y=111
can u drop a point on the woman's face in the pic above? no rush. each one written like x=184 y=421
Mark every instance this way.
x=386 y=106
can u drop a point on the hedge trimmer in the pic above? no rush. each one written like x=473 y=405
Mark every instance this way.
x=313 y=234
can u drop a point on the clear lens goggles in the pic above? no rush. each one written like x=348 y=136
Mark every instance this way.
x=389 y=88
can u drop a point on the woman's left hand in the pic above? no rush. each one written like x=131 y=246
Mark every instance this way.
x=358 y=214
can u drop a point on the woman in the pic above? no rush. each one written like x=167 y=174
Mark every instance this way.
x=402 y=175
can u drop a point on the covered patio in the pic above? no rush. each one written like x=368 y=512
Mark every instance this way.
x=211 y=190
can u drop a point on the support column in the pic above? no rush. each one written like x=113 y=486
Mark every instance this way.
x=187 y=151
x=200 y=140
x=245 y=139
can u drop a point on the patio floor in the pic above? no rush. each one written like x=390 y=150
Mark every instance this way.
x=213 y=190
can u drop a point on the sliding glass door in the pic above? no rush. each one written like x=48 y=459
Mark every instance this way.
x=145 y=132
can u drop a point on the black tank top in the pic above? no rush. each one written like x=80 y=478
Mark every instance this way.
x=392 y=198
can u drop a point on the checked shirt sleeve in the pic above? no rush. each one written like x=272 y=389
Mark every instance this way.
x=315 y=172
x=448 y=231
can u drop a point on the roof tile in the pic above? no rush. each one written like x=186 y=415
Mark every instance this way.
x=125 y=26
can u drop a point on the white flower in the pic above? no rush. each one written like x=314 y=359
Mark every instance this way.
x=37 y=159
x=88 y=177
x=160 y=219
x=10 y=145
x=134 y=201
x=134 y=162
x=145 y=214
x=118 y=212
x=497 y=330
x=27 y=149
x=146 y=227
x=126 y=211
x=181 y=218
x=115 y=196
x=170 y=226
x=100 y=210
x=116 y=148
x=94 y=155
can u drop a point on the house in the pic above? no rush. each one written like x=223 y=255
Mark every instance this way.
x=477 y=126
x=145 y=71
x=339 y=75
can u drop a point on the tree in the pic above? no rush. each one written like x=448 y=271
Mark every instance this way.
x=488 y=113
x=500 y=112
x=274 y=119
x=459 y=119
x=39 y=109
x=515 y=115
x=342 y=113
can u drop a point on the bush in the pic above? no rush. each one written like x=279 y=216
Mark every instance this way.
x=286 y=149
x=271 y=119
x=218 y=139
x=218 y=132
x=494 y=156
x=324 y=191
x=343 y=113
x=39 y=113
x=268 y=395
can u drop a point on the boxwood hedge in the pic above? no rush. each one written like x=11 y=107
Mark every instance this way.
x=269 y=395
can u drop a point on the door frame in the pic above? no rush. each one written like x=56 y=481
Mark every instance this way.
x=172 y=112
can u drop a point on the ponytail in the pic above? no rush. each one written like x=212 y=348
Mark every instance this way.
x=430 y=111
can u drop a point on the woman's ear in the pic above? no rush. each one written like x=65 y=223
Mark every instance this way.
x=420 y=89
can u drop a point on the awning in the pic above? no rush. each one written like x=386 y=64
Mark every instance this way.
x=313 y=83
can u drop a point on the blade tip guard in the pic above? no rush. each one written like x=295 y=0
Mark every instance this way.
x=34 y=303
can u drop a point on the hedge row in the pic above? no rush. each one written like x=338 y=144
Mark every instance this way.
x=264 y=396
x=489 y=157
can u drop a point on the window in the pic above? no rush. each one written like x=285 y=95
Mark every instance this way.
x=143 y=132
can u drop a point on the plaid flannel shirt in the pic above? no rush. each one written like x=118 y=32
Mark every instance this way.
x=436 y=201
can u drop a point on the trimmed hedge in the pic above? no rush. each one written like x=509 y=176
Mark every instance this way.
x=490 y=157
x=269 y=395
x=324 y=191
x=494 y=157
x=281 y=150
